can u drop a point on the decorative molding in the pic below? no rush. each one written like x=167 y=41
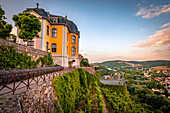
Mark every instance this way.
x=43 y=34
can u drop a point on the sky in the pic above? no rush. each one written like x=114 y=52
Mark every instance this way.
x=111 y=29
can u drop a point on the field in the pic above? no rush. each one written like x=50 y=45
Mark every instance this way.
x=160 y=68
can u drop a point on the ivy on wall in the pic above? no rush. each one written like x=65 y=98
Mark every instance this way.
x=10 y=59
x=71 y=88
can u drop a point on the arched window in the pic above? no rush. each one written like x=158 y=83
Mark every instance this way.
x=48 y=30
x=54 y=32
x=53 y=47
x=73 y=39
x=73 y=49
x=47 y=46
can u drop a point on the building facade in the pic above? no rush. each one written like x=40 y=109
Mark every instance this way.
x=58 y=35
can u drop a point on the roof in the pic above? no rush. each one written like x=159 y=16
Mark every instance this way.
x=61 y=20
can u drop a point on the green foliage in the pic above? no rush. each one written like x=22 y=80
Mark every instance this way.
x=100 y=100
x=121 y=103
x=153 y=102
x=28 y=24
x=10 y=59
x=73 y=87
x=68 y=90
x=151 y=84
x=92 y=80
x=5 y=28
x=112 y=64
x=84 y=62
x=50 y=60
x=88 y=101
x=47 y=60
x=101 y=70
x=81 y=111
x=70 y=63
x=120 y=64
x=133 y=74
x=166 y=64
x=119 y=89
x=83 y=79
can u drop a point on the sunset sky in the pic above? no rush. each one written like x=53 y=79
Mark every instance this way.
x=111 y=29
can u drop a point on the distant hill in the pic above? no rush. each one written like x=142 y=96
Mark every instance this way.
x=120 y=63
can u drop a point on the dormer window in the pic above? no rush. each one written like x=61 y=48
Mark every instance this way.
x=73 y=39
x=54 y=32
x=54 y=20
x=48 y=14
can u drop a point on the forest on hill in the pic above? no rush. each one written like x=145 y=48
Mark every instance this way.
x=121 y=63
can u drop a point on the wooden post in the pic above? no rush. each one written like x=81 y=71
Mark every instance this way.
x=14 y=84
x=37 y=77
x=28 y=84
x=44 y=74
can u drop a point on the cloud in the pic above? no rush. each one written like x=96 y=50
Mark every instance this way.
x=85 y=54
x=166 y=25
x=138 y=54
x=161 y=37
x=110 y=57
x=82 y=50
x=164 y=50
x=162 y=53
x=153 y=11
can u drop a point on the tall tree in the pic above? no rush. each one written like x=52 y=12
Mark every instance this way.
x=5 y=28
x=28 y=24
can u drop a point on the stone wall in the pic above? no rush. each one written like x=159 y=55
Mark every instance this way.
x=63 y=60
x=39 y=99
x=34 y=53
x=36 y=100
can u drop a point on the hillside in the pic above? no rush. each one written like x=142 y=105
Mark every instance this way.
x=81 y=92
x=120 y=64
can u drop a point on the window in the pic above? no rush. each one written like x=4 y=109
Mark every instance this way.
x=47 y=46
x=30 y=43
x=73 y=39
x=48 y=30
x=54 y=20
x=54 y=32
x=53 y=47
x=73 y=49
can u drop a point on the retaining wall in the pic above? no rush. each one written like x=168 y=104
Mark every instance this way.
x=34 y=53
x=36 y=100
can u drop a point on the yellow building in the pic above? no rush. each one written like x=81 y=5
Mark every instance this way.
x=58 y=35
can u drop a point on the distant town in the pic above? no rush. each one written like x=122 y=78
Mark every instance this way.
x=118 y=74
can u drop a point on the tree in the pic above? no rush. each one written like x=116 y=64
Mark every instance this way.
x=70 y=63
x=84 y=62
x=166 y=93
x=5 y=28
x=131 y=81
x=28 y=24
